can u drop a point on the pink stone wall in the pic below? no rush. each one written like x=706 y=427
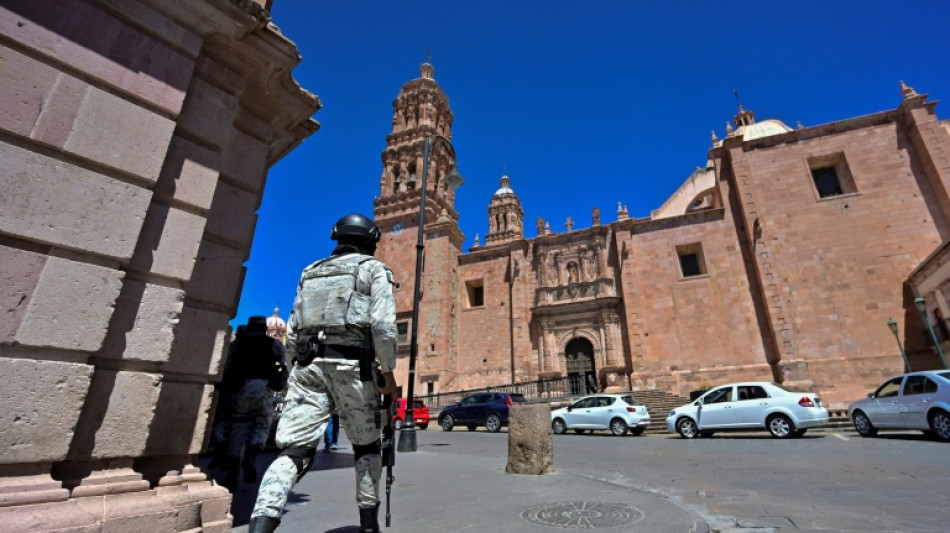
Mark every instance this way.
x=135 y=160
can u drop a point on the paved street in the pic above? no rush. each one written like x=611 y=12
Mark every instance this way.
x=826 y=481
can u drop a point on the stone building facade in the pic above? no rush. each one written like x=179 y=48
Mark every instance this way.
x=781 y=260
x=136 y=137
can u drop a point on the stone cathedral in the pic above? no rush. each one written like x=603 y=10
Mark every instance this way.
x=782 y=260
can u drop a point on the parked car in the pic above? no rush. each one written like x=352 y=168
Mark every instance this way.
x=489 y=409
x=916 y=400
x=615 y=412
x=749 y=406
x=420 y=413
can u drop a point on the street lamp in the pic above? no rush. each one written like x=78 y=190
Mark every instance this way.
x=891 y=323
x=407 y=436
x=922 y=307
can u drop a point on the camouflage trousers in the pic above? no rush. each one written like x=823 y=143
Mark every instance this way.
x=314 y=393
x=246 y=418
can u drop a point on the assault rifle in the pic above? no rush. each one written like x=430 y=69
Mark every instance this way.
x=387 y=447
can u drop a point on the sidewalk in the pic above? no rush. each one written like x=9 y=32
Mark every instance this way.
x=436 y=490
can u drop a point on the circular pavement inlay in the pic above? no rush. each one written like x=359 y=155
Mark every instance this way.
x=583 y=515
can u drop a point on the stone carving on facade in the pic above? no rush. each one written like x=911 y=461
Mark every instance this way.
x=572 y=274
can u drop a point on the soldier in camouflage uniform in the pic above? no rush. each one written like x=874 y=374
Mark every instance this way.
x=255 y=370
x=344 y=318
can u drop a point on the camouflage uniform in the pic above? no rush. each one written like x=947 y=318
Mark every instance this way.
x=326 y=385
x=250 y=411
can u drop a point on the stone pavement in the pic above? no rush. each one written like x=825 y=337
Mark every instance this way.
x=474 y=494
x=731 y=484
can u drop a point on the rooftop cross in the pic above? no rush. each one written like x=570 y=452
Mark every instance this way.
x=569 y=224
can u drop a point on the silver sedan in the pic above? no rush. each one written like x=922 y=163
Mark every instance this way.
x=614 y=412
x=916 y=400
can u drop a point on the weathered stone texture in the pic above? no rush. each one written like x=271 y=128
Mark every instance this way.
x=119 y=134
x=190 y=174
x=19 y=273
x=59 y=203
x=182 y=416
x=484 y=348
x=52 y=319
x=39 y=408
x=117 y=415
x=168 y=245
x=217 y=275
x=233 y=214
x=530 y=444
x=143 y=325
x=116 y=53
x=243 y=160
x=200 y=343
x=208 y=113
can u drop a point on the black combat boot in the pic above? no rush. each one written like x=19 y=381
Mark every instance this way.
x=262 y=524
x=369 y=519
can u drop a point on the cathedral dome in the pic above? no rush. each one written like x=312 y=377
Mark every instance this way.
x=505 y=187
x=766 y=128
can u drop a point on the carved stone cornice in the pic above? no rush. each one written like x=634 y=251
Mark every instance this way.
x=239 y=35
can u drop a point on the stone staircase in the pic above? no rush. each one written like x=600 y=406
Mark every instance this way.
x=659 y=403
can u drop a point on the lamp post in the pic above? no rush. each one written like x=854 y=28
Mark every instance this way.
x=891 y=323
x=922 y=307
x=407 y=435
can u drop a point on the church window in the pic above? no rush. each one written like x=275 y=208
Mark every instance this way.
x=692 y=262
x=402 y=332
x=831 y=175
x=475 y=290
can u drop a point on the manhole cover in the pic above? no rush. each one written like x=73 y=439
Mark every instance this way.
x=583 y=515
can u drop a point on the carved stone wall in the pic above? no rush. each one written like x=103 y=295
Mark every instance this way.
x=136 y=141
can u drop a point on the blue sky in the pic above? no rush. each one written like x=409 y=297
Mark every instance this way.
x=586 y=104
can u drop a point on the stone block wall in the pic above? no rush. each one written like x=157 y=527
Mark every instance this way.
x=132 y=161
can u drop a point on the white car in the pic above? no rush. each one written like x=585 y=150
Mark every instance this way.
x=918 y=400
x=615 y=412
x=749 y=406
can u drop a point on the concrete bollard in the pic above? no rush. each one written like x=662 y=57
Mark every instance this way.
x=530 y=444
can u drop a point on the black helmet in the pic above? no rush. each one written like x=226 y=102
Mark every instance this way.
x=355 y=227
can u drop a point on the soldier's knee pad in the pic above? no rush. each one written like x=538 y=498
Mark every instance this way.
x=359 y=450
x=302 y=458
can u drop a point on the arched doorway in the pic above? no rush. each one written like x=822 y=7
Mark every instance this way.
x=580 y=366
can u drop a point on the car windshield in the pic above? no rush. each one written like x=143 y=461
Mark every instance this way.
x=944 y=375
x=518 y=398
x=418 y=405
x=628 y=398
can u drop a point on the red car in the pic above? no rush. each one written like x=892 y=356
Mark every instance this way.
x=419 y=412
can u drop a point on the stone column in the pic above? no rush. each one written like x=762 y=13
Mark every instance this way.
x=530 y=444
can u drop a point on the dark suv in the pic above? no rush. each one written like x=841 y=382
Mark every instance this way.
x=489 y=409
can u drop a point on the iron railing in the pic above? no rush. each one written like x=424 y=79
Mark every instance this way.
x=539 y=390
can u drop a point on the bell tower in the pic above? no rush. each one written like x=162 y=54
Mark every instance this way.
x=505 y=217
x=421 y=110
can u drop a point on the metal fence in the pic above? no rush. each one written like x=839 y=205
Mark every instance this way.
x=540 y=390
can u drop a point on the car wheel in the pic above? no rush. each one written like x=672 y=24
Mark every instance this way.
x=447 y=423
x=580 y=431
x=558 y=426
x=863 y=425
x=940 y=425
x=618 y=427
x=636 y=432
x=799 y=432
x=687 y=429
x=397 y=425
x=780 y=426
x=471 y=427
x=423 y=426
x=493 y=423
